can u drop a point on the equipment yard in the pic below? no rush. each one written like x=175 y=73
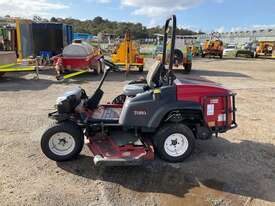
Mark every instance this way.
x=237 y=168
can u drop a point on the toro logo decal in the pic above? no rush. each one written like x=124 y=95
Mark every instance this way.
x=140 y=113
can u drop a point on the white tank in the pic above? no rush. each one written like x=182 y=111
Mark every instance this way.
x=79 y=49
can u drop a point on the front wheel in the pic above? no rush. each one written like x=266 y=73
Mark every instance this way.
x=2 y=73
x=62 y=141
x=174 y=142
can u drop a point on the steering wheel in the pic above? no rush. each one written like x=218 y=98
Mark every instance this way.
x=109 y=64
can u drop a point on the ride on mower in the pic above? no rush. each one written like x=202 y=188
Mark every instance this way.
x=165 y=118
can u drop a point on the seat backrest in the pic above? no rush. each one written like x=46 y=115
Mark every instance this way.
x=153 y=74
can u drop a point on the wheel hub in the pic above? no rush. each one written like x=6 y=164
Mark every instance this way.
x=62 y=144
x=176 y=145
x=174 y=142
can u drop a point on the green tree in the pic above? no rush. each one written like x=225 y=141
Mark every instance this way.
x=98 y=24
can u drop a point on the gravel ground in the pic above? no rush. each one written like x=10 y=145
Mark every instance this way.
x=237 y=168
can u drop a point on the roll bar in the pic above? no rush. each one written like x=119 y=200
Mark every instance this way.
x=173 y=40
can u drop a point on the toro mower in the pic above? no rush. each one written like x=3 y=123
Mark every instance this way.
x=164 y=116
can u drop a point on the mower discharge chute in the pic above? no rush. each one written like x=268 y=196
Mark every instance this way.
x=165 y=117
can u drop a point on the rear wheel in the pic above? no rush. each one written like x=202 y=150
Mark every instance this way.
x=187 y=68
x=102 y=67
x=174 y=142
x=62 y=141
x=97 y=67
x=2 y=73
x=178 y=57
x=140 y=68
x=120 y=99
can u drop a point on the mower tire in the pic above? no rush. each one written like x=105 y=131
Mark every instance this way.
x=178 y=57
x=174 y=142
x=187 y=68
x=140 y=68
x=102 y=67
x=120 y=99
x=62 y=141
x=97 y=67
x=2 y=73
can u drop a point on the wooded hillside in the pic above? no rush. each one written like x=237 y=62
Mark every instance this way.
x=98 y=24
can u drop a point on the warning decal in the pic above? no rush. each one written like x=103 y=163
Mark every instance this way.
x=210 y=109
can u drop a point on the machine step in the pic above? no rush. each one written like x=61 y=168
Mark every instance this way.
x=107 y=152
x=101 y=161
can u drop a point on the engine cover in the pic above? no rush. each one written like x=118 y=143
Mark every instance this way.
x=67 y=102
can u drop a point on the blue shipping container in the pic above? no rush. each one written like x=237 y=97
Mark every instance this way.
x=83 y=36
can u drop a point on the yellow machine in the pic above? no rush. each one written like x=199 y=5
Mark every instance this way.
x=8 y=57
x=126 y=54
x=8 y=63
x=265 y=48
x=196 y=50
x=213 y=47
x=273 y=52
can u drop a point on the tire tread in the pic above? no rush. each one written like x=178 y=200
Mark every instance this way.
x=69 y=127
x=167 y=129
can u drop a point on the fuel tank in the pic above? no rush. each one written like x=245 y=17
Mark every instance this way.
x=193 y=89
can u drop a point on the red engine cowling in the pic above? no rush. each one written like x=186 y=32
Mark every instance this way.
x=217 y=102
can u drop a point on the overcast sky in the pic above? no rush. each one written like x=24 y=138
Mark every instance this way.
x=206 y=15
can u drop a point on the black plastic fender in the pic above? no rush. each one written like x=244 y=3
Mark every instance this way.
x=147 y=110
x=159 y=115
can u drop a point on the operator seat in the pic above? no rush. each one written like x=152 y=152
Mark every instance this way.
x=152 y=80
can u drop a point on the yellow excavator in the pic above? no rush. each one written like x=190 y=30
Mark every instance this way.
x=127 y=55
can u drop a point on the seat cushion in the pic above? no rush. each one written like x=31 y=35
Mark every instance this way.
x=139 y=81
x=133 y=89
